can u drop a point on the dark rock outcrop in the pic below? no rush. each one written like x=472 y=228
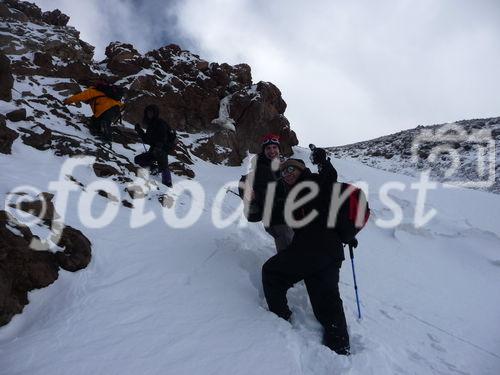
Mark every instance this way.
x=55 y=17
x=17 y=115
x=77 y=250
x=7 y=137
x=21 y=268
x=123 y=59
x=6 y=79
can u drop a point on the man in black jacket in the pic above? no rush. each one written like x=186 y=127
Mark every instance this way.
x=161 y=138
x=315 y=256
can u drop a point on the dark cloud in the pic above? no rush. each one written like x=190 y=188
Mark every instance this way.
x=145 y=24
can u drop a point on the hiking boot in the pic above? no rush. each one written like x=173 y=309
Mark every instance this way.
x=337 y=343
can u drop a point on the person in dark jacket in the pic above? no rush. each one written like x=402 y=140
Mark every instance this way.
x=315 y=256
x=266 y=171
x=161 y=138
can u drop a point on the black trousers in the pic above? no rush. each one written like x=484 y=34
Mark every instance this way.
x=320 y=272
x=102 y=125
x=146 y=159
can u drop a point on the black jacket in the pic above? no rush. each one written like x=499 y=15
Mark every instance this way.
x=158 y=132
x=263 y=176
x=316 y=236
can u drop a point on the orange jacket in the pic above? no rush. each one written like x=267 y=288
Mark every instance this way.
x=99 y=102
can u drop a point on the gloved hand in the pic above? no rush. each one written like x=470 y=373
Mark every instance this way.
x=138 y=128
x=353 y=243
x=318 y=156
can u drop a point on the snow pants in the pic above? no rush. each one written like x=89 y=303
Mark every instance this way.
x=320 y=272
x=102 y=125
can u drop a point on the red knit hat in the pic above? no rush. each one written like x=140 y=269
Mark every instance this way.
x=270 y=139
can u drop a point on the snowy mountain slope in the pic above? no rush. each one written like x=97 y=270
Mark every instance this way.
x=472 y=143
x=189 y=301
x=157 y=299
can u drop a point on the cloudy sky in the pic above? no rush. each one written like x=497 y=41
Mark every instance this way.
x=348 y=70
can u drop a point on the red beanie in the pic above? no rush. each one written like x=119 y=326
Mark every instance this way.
x=270 y=139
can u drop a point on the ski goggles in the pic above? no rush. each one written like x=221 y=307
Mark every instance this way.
x=271 y=141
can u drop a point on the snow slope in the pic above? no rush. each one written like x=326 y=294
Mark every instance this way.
x=159 y=300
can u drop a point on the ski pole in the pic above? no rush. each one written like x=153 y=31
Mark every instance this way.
x=354 y=277
x=230 y=191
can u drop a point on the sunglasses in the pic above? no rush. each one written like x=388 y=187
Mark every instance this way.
x=288 y=170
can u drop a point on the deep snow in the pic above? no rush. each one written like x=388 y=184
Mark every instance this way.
x=158 y=300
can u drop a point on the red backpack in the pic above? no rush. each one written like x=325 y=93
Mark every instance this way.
x=353 y=213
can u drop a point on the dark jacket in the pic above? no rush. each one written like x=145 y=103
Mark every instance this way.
x=327 y=172
x=263 y=176
x=158 y=132
x=316 y=236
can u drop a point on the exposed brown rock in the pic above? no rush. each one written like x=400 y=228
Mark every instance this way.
x=17 y=115
x=42 y=208
x=43 y=60
x=6 y=79
x=41 y=141
x=29 y=10
x=104 y=170
x=123 y=59
x=77 y=250
x=55 y=17
x=7 y=137
x=21 y=268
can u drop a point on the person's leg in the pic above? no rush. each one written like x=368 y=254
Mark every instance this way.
x=106 y=120
x=161 y=157
x=285 y=269
x=324 y=294
x=144 y=160
x=94 y=126
x=282 y=234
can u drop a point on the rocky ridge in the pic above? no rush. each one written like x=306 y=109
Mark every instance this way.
x=473 y=143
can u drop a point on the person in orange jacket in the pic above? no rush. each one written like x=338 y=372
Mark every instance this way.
x=106 y=110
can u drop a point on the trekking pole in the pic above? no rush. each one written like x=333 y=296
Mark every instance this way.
x=351 y=253
x=230 y=191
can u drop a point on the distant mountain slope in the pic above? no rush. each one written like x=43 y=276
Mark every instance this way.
x=474 y=142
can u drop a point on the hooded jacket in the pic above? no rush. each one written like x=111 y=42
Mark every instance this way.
x=158 y=132
x=263 y=176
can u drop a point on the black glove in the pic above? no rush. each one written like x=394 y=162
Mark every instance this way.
x=138 y=129
x=353 y=243
x=318 y=156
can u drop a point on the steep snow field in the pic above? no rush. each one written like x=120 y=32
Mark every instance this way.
x=159 y=300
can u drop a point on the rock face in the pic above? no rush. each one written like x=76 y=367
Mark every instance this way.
x=123 y=59
x=22 y=268
x=193 y=94
x=7 y=137
x=6 y=79
x=16 y=115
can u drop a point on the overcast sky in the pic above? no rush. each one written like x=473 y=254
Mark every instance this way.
x=348 y=70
